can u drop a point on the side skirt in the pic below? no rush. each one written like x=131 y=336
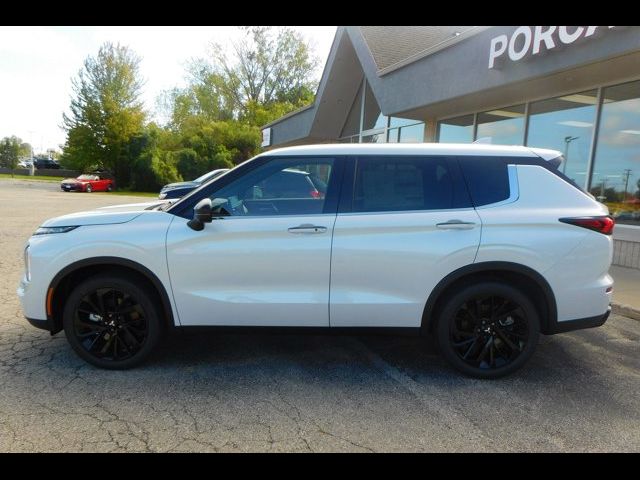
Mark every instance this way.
x=387 y=331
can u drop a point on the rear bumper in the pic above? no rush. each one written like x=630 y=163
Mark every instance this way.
x=580 y=323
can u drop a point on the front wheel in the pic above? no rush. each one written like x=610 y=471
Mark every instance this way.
x=488 y=330
x=111 y=322
x=89 y=189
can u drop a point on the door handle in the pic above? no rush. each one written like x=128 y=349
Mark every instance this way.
x=456 y=225
x=307 y=228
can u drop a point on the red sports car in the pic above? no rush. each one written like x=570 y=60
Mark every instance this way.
x=90 y=182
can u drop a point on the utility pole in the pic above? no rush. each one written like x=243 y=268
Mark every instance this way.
x=32 y=168
x=567 y=140
x=627 y=174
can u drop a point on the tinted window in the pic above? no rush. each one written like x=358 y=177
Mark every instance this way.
x=407 y=183
x=280 y=187
x=487 y=179
x=286 y=184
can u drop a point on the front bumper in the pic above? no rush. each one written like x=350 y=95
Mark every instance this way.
x=42 y=324
x=70 y=187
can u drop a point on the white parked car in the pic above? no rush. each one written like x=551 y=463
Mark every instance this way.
x=483 y=246
x=25 y=164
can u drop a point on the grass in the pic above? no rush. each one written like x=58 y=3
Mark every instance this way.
x=128 y=192
x=29 y=177
x=59 y=179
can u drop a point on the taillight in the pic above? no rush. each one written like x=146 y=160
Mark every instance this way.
x=603 y=224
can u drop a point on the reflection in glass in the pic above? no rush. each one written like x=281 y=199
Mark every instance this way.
x=504 y=126
x=456 y=130
x=412 y=133
x=373 y=117
x=401 y=122
x=376 y=138
x=352 y=125
x=616 y=174
x=565 y=124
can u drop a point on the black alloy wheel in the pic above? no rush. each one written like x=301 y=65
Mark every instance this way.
x=488 y=330
x=111 y=323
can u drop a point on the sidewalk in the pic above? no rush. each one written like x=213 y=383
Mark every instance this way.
x=626 y=291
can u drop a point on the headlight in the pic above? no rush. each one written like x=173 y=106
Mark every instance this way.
x=27 y=263
x=49 y=230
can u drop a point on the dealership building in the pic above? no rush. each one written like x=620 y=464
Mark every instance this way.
x=575 y=89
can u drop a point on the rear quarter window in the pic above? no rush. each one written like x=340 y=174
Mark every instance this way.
x=487 y=179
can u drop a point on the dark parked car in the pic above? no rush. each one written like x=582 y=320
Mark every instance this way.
x=46 y=163
x=180 y=189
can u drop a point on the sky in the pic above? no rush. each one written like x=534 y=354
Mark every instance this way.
x=38 y=63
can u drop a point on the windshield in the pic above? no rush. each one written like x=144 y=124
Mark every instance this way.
x=87 y=177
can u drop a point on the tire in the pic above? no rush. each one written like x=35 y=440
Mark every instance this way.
x=499 y=346
x=103 y=332
x=89 y=189
x=110 y=187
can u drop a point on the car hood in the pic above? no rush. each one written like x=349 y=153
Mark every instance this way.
x=104 y=215
x=171 y=186
x=70 y=180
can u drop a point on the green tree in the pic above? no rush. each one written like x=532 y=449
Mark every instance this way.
x=268 y=73
x=10 y=150
x=152 y=166
x=106 y=113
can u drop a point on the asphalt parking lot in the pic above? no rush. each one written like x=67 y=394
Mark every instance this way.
x=213 y=392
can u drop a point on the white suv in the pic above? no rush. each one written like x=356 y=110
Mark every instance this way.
x=483 y=246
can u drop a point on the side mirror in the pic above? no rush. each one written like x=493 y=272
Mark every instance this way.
x=201 y=215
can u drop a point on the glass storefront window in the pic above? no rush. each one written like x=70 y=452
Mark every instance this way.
x=401 y=122
x=412 y=133
x=456 y=130
x=565 y=124
x=407 y=134
x=504 y=126
x=373 y=117
x=352 y=125
x=616 y=171
x=376 y=138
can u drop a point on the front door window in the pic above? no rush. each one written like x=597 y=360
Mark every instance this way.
x=282 y=187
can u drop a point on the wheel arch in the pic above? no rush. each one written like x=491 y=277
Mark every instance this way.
x=66 y=279
x=527 y=279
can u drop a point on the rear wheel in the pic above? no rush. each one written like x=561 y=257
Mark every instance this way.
x=89 y=189
x=111 y=322
x=488 y=330
x=110 y=187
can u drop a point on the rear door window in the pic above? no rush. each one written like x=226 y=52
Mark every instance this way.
x=407 y=183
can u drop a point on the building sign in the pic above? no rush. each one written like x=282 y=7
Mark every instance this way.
x=528 y=41
x=266 y=137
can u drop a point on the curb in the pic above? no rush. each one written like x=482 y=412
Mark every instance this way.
x=626 y=310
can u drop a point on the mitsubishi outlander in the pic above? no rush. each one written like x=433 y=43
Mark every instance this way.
x=484 y=247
